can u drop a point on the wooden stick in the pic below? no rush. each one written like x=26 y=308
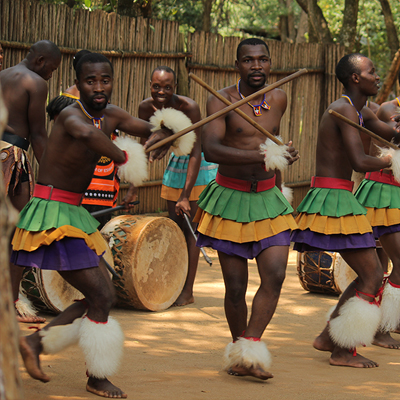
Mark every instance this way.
x=227 y=109
x=240 y=112
x=364 y=130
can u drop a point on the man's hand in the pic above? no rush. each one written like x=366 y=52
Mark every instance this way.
x=182 y=206
x=154 y=138
x=294 y=154
x=130 y=197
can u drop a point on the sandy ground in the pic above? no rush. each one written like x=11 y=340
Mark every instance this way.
x=176 y=354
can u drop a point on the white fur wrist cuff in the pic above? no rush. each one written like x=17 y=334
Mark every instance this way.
x=176 y=121
x=274 y=155
x=135 y=169
x=395 y=167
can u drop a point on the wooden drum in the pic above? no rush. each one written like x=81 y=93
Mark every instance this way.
x=150 y=256
x=324 y=272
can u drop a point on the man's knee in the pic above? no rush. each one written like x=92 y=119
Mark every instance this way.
x=104 y=300
x=235 y=293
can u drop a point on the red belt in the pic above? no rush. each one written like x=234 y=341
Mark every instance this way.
x=331 y=183
x=51 y=193
x=382 y=177
x=245 y=186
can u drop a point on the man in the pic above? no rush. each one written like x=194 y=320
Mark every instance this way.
x=54 y=232
x=1 y=57
x=330 y=218
x=242 y=214
x=25 y=94
x=185 y=176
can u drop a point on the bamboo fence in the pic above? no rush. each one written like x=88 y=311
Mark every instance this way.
x=136 y=46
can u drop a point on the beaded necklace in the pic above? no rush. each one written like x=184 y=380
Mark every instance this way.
x=360 y=118
x=256 y=108
x=95 y=121
x=398 y=102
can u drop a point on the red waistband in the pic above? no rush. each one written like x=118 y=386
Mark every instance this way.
x=382 y=177
x=245 y=186
x=51 y=193
x=331 y=183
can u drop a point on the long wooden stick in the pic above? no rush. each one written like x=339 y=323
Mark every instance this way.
x=227 y=109
x=240 y=112
x=364 y=130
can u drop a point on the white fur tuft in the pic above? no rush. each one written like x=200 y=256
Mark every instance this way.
x=274 y=155
x=59 y=337
x=329 y=313
x=135 y=170
x=356 y=324
x=102 y=345
x=395 y=167
x=247 y=353
x=24 y=306
x=287 y=193
x=176 y=121
x=390 y=308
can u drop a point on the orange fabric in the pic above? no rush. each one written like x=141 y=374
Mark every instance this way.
x=173 y=194
x=383 y=216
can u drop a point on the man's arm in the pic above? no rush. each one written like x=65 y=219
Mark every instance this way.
x=384 y=129
x=37 y=117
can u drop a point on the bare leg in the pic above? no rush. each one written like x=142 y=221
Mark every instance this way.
x=186 y=296
x=366 y=264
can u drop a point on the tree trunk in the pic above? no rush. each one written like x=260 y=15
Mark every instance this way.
x=347 y=36
x=133 y=8
x=207 y=6
x=302 y=29
x=10 y=379
x=70 y=3
x=393 y=40
x=283 y=23
x=391 y=78
x=318 y=22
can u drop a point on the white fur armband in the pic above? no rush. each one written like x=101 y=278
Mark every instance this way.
x=134 y=170
x=395 y=167
x=176 y=121
x=274 y=155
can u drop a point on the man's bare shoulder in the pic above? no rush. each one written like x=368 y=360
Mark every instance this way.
x=187 y=104
x=146 y=109
x=20 y=75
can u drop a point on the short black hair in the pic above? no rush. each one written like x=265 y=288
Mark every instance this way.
x=78 y=56
x=93 y=58
x=166 y=69
x=251 y=42
x=58 y=104
x=347 y=66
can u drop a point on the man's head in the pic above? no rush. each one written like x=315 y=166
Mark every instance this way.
x=44 y=57
x=78 y=56
x=57 y=105
x=357 y=69
x=253 y=62
x=162 y=85
x=94 y=79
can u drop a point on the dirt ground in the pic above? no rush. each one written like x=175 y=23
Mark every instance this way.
x=177 y=354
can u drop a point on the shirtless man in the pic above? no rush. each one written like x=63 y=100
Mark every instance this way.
x=25 y=94
x=234 y=214
x=1 y=57
x=330 y=218
x=64 y=236
x=185 y=176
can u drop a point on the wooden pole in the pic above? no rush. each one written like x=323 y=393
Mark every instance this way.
x=10 y=379
x=240 y=112
x=227 y=109
x=364 y=130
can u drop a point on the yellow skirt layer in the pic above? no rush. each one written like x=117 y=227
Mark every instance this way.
x=383 y=216
x=173 y=194
x=30 y=241
x=346 y=225
x=237 y=232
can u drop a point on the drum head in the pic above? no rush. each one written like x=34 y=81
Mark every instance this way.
x=343 y=274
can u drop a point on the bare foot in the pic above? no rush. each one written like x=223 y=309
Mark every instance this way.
x=183 y=300
x=385 y=340
x=345 y=358
x=31 y=319
x=104 y=388
x=25 y=313
x=323 y=342
x=30 y=354
x=258 y=372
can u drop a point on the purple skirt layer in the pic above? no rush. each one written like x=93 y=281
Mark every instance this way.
x=247 y=250
x=68 y=254
x=383 y=230
x=312 y=241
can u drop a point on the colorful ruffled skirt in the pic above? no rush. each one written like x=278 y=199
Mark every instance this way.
x=243 y=223
x=175 y=177
x=382 y=202
x=57 y=236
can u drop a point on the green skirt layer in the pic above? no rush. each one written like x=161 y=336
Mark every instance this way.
x=41 y=215
x=331 y=203
x=378 y=195
x=243 y=207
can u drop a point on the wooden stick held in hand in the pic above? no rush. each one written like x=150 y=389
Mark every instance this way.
x=227 y=109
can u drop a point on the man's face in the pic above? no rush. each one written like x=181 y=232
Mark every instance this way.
x=49 y=65
x=368 y=79
x=95 y=85
x=162 y=87
x=254 y=65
